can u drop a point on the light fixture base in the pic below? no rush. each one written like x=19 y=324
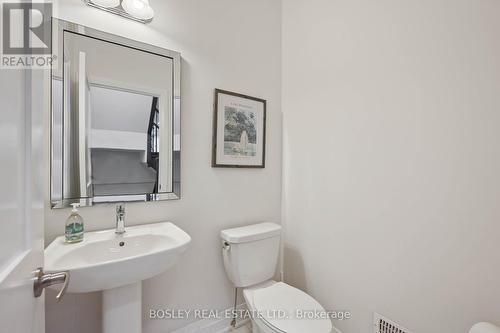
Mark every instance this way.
x=118 y=10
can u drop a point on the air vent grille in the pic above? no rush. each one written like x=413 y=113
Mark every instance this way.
x=384 y=325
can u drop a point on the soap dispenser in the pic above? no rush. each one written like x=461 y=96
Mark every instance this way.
x=74 y=226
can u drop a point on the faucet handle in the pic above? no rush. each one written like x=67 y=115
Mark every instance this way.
x=120 y=209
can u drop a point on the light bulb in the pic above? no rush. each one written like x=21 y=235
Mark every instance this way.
x=106 y=3
x=138 y=8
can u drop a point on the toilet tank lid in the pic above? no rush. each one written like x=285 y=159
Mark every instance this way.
x=251 y=233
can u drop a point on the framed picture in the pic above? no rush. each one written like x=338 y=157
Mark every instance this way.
x=239 y=134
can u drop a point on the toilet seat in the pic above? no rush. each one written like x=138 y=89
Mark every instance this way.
x=273 y=301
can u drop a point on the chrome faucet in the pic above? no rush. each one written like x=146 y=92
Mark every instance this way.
x=120 y=219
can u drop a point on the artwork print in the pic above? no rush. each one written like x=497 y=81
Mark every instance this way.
x=240 y=134
x=239 y=131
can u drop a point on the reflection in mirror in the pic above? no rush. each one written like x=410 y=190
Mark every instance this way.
x=124 y=148
x=115 y=120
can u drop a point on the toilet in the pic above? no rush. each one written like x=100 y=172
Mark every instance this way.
x=250 y=256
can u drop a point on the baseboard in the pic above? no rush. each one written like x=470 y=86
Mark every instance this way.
x=212 y=325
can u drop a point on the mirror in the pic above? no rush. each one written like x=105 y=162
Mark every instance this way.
x=115 y=119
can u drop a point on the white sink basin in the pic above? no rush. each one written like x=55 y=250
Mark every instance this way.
x=105 y=260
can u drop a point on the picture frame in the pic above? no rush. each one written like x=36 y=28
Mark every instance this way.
x=239 y=131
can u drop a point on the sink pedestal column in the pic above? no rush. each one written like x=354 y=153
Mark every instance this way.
x=121 y=309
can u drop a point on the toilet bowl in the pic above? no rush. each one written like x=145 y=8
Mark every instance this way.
x=250 y=256
x=278 y=307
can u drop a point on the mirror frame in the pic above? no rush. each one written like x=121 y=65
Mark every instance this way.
x=59 y=26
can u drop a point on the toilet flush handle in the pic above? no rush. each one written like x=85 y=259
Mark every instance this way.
x=226 y=246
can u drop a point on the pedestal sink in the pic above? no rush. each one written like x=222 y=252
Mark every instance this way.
x=117 y=264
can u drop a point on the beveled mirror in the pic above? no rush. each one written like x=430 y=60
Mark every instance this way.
x=115 y=133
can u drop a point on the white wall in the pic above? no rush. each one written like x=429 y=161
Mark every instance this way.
x=118 y=140
x=229 y=44
x=392 y=154
x=120 y=110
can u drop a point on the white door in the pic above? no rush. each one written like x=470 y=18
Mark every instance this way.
x=22 y=186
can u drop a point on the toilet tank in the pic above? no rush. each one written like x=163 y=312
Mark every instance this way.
x=251 y=253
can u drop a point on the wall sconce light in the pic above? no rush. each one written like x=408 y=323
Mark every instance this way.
x=137 y=10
